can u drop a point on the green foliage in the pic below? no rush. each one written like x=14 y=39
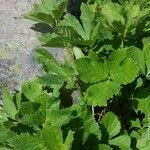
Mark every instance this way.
x=107 y=65
x=8 y=104
x=48 y=11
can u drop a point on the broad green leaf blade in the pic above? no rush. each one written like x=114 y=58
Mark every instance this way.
x=138 y=56
x=136 y=123
x=53 y=138
x=69 y=139
x=112 y=12
x=53 y=134
x=113 y=17
x=59 y=8
x=147 y=57
x=27 y=142
x=49 y=63
x=5 y=134
x=98 y=94
x=3 y=116
x=78 y=53
x=50 y=79
x=29 y=108
x=8 y=104
x=58 y=117
x=53 y=81
x=73 y=23
x=85 y=31
x=122 y=68
x=143 y=143
x=70 y=36
x=132 y=13
x=111 y=123
x=80 y=109
x=52 y=40
x=33 y=120
x=91 y=71
x=142 y=103
x=40 y=17
x=91 y=128
x=33 y=114
x=18 y=100
x=47 y=11
x=116 y=57
x=51 y=66
x=32 y=90
x=146 y=41
x=125 y=73
x=87 y=18
x=123 y=142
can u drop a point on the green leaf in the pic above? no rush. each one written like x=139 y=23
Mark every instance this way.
x=146 y=121
x=111 y=123
x=98 y=94
x=91 y=128
x=142 y=96
x=71 y=32
x=78 y=53
x=69 y=140
x=5 y=134
x=32 y=90
x=27 y=142
x=125 y=73
x=33 y=114
x=136 y=123
x=47 y=11
x=8 y=104
x=33 y=120
x=50 y=79
x=73 y=23
x=123 y=69
x=143 y=142
x=123 y=142
x=87 y=18
x=138 y=56
x=113 y=17
x=91 y=71
x=147 y=57
x=53 y=81
x=53 y=138
x=116 y=57
x=132 y=13
x=18 y=100
x=52 y=40
x=29 y=107
x=81 y=109
x=51 y=66
x=146 y=41
x=49 y=63
x=58 y=117
x=112 y=11
x=85 y=32
x=3 y=116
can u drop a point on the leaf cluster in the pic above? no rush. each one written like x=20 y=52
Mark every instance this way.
x=107 y=67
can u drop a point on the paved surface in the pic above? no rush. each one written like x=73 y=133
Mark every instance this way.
x=17 y=43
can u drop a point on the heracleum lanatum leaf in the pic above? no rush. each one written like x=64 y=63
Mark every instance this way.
x=8 y=104
x=98 y=94
x=111 y=123
x=91 y=71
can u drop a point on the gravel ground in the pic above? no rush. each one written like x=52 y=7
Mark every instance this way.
x=17 y=43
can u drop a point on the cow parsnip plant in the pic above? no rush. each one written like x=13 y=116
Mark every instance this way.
x=107 y=64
